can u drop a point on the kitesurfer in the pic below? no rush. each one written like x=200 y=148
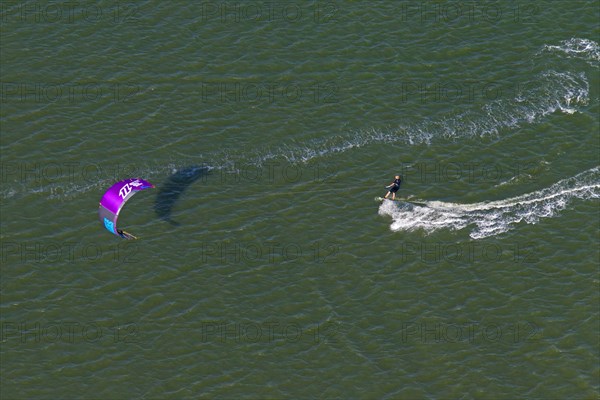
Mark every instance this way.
x=393 y=187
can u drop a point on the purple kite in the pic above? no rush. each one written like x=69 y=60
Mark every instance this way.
x=114 y=199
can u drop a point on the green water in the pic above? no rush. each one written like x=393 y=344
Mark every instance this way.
x=279 y=275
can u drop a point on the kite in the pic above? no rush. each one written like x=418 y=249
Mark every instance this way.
x=113 y=201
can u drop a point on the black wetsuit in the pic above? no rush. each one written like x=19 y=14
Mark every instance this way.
x=396 y=185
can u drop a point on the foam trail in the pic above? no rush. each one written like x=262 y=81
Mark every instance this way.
x=583 y=49
x=494 y=217
x=552 y=91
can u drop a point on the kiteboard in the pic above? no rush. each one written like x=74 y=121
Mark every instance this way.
x=126 y=235
x=418 y=203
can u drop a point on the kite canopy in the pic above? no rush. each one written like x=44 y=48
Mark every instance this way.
x=114 y=199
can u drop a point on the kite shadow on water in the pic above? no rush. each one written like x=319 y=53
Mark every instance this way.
x=173 y=187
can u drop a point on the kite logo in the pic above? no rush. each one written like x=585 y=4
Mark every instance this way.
x=125 y=190
x=108 y=224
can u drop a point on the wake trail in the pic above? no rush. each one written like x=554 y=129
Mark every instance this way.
x=494 y=217
x=551 y=91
